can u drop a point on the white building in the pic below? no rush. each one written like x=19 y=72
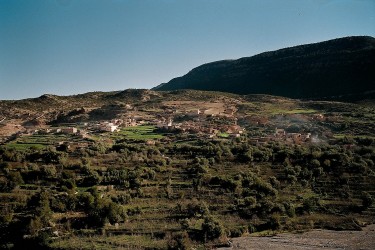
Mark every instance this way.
x=108 y=127
x=69 y=130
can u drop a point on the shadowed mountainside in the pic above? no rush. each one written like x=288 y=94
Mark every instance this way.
x=340 y=69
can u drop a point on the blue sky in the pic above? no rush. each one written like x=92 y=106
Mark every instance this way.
x=74 y=46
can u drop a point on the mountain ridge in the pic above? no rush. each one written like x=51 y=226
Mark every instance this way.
x=345 y=64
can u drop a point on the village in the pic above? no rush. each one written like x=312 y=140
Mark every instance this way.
x=213 y=121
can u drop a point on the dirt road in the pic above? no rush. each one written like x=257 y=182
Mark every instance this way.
x=316 y=239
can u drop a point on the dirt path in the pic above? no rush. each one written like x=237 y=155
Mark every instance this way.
x=316 y=239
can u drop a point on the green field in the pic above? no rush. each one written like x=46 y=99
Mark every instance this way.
x=39 y=141
x=223 y=135
x=143 y=132
x=26 y=146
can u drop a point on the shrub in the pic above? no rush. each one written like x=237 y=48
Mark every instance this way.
x=311 y=204
x=250 y=202
x=251 y=228
x=179 y=241
x=211 y=229
x=315 y=163
x=238 y=231
x=104 y=210
x=289 y=209
x=196 y=209
x=92 y=178
x=274 y=222
x=6 y=215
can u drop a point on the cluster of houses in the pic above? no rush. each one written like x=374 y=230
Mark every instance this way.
x=193 y=126
x=210 y=123
x=104 y=126
x=198 y=121
x=201 y=112
x=109 y=126
x=282 y=136
x=199 y=128
x=296 y=138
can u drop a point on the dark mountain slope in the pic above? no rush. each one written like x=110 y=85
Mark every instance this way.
x=330 y=69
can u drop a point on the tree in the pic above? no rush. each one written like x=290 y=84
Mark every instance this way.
x=315 y=163
x=311 y=204
x=211 y=228
x=12 y=180
x=92 y=178
x=43 y=209
x=367 y=200
x=40 y=204
x=6 y=214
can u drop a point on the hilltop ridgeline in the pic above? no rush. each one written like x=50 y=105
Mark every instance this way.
x=341 y=69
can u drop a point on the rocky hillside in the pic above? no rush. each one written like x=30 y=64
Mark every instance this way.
x=342 y=69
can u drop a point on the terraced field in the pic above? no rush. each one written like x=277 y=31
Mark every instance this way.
x=187 y=190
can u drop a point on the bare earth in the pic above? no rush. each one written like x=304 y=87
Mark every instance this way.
x=316 y=239
x=10 y=127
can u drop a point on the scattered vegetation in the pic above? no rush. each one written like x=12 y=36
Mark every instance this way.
x=187 y=190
